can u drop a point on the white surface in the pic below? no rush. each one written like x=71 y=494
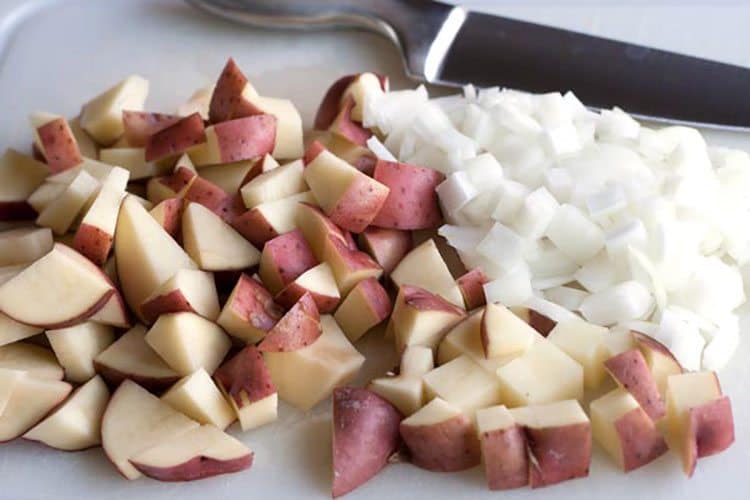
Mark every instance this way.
x=54 y=55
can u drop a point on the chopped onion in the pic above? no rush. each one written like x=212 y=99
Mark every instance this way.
x=625 y=301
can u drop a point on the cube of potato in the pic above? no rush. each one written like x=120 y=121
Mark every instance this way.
x=629 y=369
x=625 y=431
x=424 y=267
x=503 y=333
x=366 y=306
x=197 y=396
x=276 y=184
x=503 y=442
x=440 y=438
x=465 y=338
x=307 y=376
x=584 y=342
x=62 y=212
x=187 y=342
x=464 y=384
x=543 y=374
x=133 y=160
x=102 y=116
x=76 y=347
x=422 y=318
x=249 y=312
x=660 y=360
x=559 y=439
x=699 y=418
x=406 y=390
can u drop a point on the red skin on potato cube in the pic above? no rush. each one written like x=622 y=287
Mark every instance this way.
x=176 y=138
x=412 y=202
x=60 y=147
x=141 y=125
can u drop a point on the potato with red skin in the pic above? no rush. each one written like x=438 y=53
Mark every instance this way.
x=660 y=359
x=20 y=176
x=141 y=125
x=283 y=259
x=350 y=266
x=503 y=443
x=386 y=246
x=175 y=185
x=227 y=94
x=298 y=328
x=331 y=103
x=189 y=290
x=625 y=431
x=246 y=382
x=344 y=126
x=366 y=306
x=313 y=150
x=412 y=202
x=471 y=286
x=440 y=438
x=238 y=139
x=176 y=138
x=58 y=145
x=168 y=213
x=249 y=312
x=317 y=228
x=348 y=197
x=319 y=283
x=713 y=426
x=365 y=435
x=630 y=371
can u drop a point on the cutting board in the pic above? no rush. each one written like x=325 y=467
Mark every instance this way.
x=56 y=54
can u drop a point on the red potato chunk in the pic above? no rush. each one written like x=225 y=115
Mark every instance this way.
x=559 y=454
x=344 y=126
x=60 y=148
x=299 y=328
x=365 y=435
x=472 y=289
x=245 y=138
x=141 y=125
x=386 y=246
x=227 y=94
x=630 y=370
x=176 y=138
x=285 y=258
x=412 y=202
x=93 y=242
x=245 y=376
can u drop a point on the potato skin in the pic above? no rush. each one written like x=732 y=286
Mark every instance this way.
x=172 y=212
x=365 y=435
x=298 y=328
x=246 y=138
x=245 y=373
x=60 y=147
x=447 y=446
x=710 y=430
x=196 y=468
x=171 y=302
x=506 y=464
x=285 y=258
x=360 y=204
x=412 y=202
x=227 y=94
x=640 y=440
x=630 y=369
x=471 y=286
x=176 y=138
x=386 y=246
x=331 y=103
x=141 y=125
x=344 y=126
x=558 y=454
x=93 y=243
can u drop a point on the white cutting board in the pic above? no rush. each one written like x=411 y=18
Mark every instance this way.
x=56 y=54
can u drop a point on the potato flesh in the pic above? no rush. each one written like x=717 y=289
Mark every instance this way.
x=76 y=347
x=424 y=267
x=527 y=379
x=464 y=384
x=584 y=342
x=132 y=356
x=605 y=411
x=505 y=333
x=197 y=396
x=252 y=414
x=306 y=376
x=276 y=184
x=60 y=214
x=102 y=116
x=329 y=177
x=22 y=412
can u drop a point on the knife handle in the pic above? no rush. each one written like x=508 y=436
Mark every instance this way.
x=413 y=25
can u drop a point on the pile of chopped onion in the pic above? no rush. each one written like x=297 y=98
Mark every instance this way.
x=568 y=210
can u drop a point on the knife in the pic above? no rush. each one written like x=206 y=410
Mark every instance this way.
x=451 y=45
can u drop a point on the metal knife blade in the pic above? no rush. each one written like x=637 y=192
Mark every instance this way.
x=489 y=50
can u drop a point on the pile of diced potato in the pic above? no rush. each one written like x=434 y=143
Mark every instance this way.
x=205 y=264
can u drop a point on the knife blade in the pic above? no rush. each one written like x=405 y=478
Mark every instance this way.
x=490 y=50
x=450 y=45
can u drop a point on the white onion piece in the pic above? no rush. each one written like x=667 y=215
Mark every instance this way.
x=512 y=195
x=550 y=309
x=628 y=233
x=379 y=149
x=574 y=234
x=542 y=284
x=682 y=338
x=625 y=301
x=537 y=211
x=607 y=202
x=463 y=238
x=455 y=192
x=510 y=117
x=484 y=172
x=512 y=289
x=597 y=274
x=568 y=297
x=548 y=261
x=502 y=246
x=643 y=270
x=713 y=290
x=647 y=327
x=616 y=125
x=723 y=343
x=559 y=183
x=562 y=140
